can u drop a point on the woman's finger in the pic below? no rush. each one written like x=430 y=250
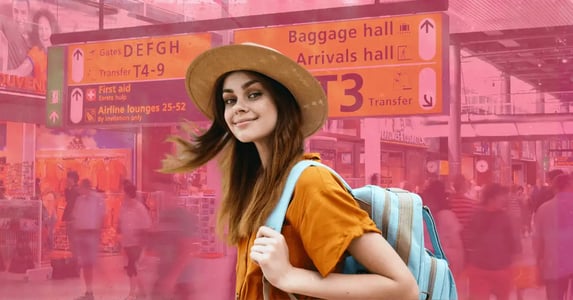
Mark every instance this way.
x=259 y=249
x=260 y=253
x=265 y=231
x=264 y=241
x=256 y=257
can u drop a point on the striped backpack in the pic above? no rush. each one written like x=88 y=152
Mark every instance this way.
x=400 y=216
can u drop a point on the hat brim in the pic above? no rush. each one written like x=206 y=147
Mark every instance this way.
x=212 y=64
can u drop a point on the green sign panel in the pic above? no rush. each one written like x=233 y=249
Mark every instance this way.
x=55 y=89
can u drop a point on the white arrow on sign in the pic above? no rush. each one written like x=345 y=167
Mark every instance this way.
x=76 y=105
x=427 y=88
x=54 y=117
x=427 y=39
x=77 y=65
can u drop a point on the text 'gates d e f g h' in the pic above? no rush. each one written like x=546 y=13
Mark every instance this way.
x=128 y=82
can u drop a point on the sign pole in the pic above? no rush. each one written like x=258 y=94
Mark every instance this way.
x=101 y=14
x=455 y=122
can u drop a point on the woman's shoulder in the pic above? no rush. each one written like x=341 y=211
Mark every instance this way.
x=316 y=177
x=319 y=191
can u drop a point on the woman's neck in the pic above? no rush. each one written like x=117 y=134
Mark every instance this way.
x=264 y=153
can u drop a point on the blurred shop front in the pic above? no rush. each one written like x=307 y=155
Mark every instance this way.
x=340 y=147
x=346 y=144
x=119 y=102
x=22 y=102
x=403 y=155
x=107 y=124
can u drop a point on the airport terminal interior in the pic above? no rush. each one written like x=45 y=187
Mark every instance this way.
x=463 y=93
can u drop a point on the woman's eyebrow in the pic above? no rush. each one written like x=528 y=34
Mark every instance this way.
x=244 y=86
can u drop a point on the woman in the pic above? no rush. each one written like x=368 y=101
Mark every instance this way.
x=134 y=221
x=263 y=105
x=36 y=64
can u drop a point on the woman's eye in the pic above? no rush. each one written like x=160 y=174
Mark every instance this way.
x=255 y=95
x=229 y=101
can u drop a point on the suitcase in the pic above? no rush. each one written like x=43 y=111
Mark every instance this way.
x=65 y=268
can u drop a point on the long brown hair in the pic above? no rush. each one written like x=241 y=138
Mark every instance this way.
x=250 y=192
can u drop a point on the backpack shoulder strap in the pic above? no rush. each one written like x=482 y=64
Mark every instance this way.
x=433 y=233
x=277 y=217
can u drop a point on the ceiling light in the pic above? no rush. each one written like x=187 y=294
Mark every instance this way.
x=564 y=60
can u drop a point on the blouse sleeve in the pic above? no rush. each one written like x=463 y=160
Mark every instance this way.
x=327 y=218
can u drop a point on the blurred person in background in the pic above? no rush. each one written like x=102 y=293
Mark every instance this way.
x=2 y=190
x=515 y=208
x=463 y=206
x=545 y=192
x=493 y=247
x=134 y=222
x=71 y=194
x=527 y=210
x=448 y=226
x=49 y=218
x=474 y=191
x=174 y=239
x=553 y=238
x=87 y=219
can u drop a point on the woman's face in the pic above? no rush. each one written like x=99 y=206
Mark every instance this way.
x=44 y=31
x=250 y=110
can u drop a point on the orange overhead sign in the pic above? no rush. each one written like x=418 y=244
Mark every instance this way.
x=153 y=58
x=370 y=67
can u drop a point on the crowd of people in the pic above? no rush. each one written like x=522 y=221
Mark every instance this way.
x=483 y=235
x=171 y=239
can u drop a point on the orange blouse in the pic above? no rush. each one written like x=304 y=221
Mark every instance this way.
x=321 y=221
x=39 y=60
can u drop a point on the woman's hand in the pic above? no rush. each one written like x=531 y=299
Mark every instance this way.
x=270 y=252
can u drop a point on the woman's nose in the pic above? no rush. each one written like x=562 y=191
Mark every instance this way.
x=240 y=105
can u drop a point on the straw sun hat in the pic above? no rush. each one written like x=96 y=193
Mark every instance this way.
x=210 y=65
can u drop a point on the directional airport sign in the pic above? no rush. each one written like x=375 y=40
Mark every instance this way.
x=123 y=83
x=386 y=66
x=55 y=87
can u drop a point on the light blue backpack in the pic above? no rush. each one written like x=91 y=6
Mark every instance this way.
x=400 y=216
